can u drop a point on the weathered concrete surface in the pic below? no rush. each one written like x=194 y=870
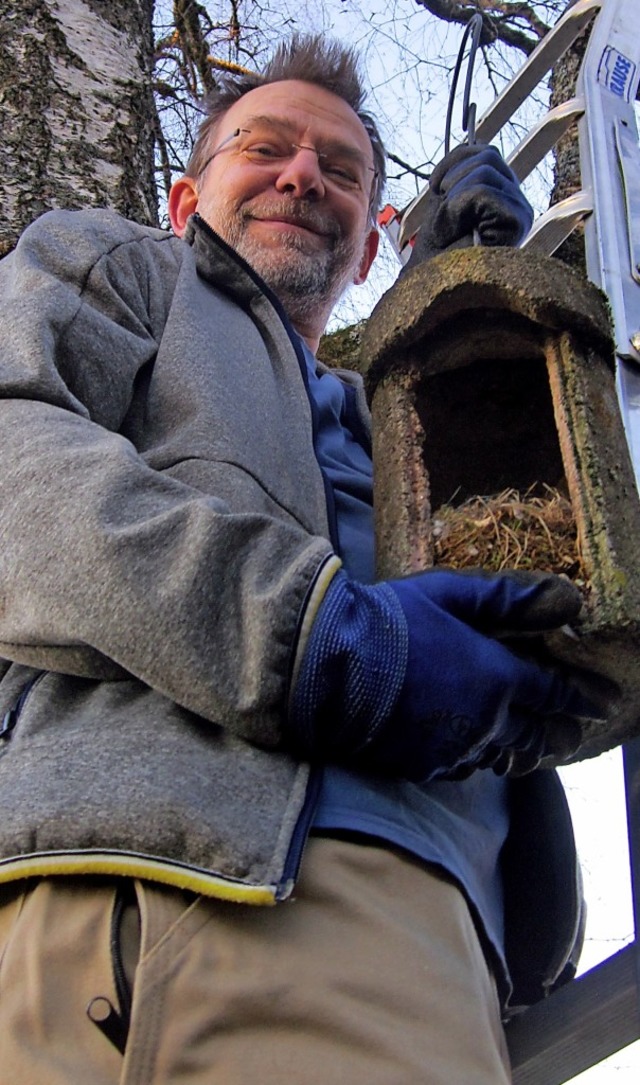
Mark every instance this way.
x=472 y=282
x=488 y=368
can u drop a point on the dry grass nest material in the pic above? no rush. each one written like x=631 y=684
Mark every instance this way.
x=534 y=530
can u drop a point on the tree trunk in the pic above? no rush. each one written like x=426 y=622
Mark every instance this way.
x=566 y=173
x=76 y=109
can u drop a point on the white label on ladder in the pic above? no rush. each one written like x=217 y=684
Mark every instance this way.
x=616 y=72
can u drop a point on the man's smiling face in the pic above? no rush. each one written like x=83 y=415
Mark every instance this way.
x=288 y=187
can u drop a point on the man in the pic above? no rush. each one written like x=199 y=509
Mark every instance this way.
x=202 y=683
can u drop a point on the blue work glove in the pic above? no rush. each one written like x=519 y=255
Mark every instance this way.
x=406 y=677
x=472 y=188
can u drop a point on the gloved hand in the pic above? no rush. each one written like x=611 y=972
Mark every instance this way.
x=406 y=677
x=472 y=188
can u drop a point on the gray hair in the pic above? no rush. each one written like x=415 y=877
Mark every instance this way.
x=312 y=59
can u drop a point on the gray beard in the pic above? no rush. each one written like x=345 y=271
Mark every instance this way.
x=305 y=282
x=304 y=278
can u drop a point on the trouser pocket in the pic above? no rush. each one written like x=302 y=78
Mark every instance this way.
x=11 y=901
x=115 y=1020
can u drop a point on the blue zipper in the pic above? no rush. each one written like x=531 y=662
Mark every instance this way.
x=300 y=834
x=10 y=718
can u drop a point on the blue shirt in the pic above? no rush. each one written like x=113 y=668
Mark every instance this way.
x=458 y=826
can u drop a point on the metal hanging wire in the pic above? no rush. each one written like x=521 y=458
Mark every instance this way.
x=473 y=30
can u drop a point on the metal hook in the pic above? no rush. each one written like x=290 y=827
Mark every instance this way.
x=473 y=29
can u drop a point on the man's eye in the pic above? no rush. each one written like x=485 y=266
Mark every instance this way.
x=342 y=174
x=265 y=150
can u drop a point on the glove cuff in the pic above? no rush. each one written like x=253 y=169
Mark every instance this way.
x=351 y=672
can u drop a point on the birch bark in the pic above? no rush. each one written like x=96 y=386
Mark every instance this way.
x=76 y=109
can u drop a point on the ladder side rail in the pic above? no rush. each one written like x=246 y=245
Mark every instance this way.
x=631 y=758
x=578 y=1025
x=609 y=105
x=608 y=83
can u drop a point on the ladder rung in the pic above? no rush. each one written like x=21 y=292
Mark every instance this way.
x=535 y=145
x=543 y=57
x=539 y=141
x=552 y=228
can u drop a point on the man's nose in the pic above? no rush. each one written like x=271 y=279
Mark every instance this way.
x=301 y=175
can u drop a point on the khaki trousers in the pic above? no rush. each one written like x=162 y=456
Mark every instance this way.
x=373 y=975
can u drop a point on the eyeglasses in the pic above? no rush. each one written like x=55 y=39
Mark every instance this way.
x=341 y=166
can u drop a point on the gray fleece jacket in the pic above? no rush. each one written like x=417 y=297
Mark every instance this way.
x=158 y=533
x=164 y=545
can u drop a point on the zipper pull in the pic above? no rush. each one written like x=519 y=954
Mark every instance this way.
x=105 y=1016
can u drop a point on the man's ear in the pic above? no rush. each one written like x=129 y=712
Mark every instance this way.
x=368 y=256
x=183 y=200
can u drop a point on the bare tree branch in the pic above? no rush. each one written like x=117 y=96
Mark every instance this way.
x=516 y=24
x=227 y=66
x=414 y=170
x=187 y=16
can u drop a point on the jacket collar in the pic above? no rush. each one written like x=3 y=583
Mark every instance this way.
x=222 y=266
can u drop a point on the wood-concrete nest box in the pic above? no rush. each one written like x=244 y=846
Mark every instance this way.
x=489 y=369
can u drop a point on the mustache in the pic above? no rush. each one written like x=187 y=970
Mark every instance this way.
x=298 y=212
